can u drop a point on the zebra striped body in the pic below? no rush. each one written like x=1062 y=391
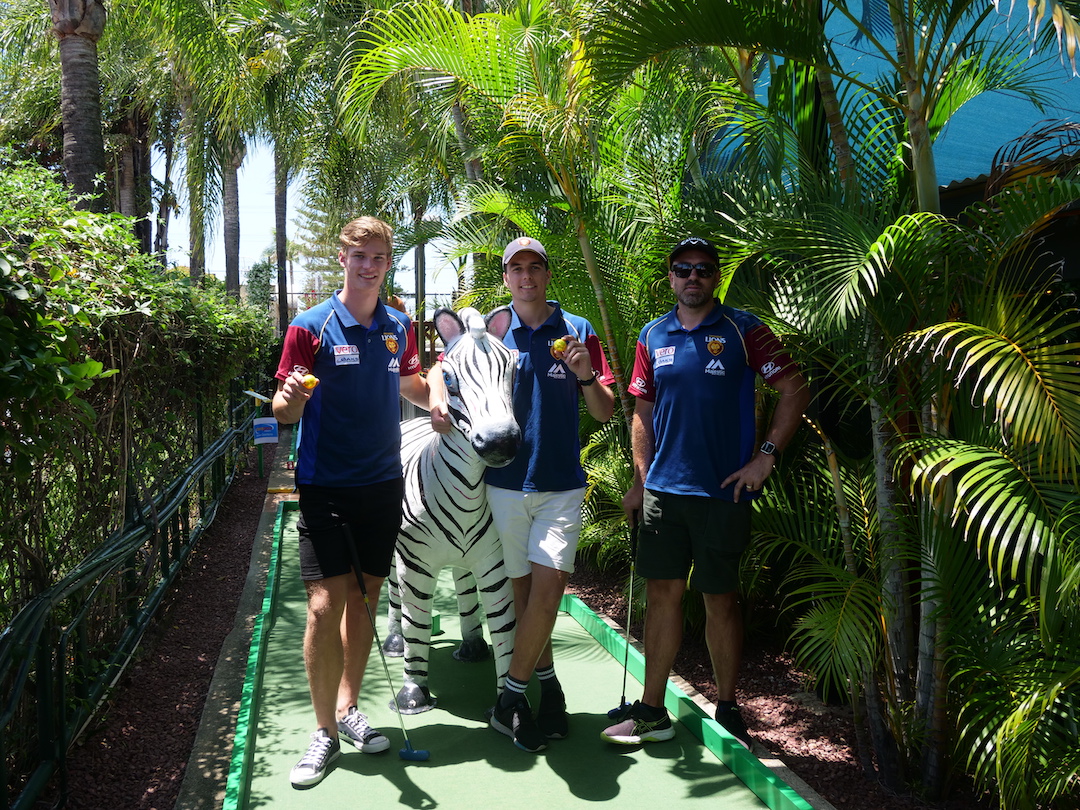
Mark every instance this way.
x=446 y=518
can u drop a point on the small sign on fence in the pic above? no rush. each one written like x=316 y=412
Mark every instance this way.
x=266 y=430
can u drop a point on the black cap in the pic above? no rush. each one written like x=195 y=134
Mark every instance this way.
x=694 y=243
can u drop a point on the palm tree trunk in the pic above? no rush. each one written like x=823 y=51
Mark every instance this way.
x=474 y=169
x=133 y=174
x=891 y=562
x=167 y=201
x=931 y=687
x=196 y=184
x=625 y=399
x=420 y=262
x=230 y=209
x=125 y=174
x=922 y=154
x=78 y=25
x=863 y=746
x=281 y=188
x=845 y=164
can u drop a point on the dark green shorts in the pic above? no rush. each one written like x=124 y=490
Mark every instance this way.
x=688 y=535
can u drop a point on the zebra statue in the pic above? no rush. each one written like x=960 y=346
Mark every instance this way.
x=446 y=519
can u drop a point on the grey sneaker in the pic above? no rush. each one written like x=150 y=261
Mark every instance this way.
x=355 y=727
x=517 y=723
x=641 y=724
x=312 y=767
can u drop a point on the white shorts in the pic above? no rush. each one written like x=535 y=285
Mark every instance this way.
x=537 y=527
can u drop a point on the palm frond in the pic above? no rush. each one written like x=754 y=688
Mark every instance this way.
x=1024 y=369
x=1004 y=508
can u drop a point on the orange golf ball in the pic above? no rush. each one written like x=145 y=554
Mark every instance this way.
x=310 y=381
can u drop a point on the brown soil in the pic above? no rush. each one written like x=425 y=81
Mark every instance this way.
x=135 y=756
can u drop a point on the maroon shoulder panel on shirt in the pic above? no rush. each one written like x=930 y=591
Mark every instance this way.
x=299 y=349
x=767 y=355
x=599 y=360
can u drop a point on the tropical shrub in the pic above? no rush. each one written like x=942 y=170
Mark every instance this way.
x=114 y=372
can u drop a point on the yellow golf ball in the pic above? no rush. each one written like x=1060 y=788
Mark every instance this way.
x=559 y=345
x=310 y=381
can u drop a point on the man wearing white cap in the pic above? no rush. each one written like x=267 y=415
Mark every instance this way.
x=536 y=500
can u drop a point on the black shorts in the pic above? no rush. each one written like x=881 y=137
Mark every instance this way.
x=701 y=537
x=373 y=515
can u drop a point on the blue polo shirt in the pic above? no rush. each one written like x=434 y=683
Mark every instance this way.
x=350 y=432
x=546 y=405
x=701 y=382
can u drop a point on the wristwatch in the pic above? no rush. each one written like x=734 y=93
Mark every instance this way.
x=590 y=381
x=768 y=448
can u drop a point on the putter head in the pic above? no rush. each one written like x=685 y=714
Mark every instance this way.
x=413 y=754
x=620 y=711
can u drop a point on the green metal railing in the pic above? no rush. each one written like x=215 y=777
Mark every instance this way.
x=59 y=658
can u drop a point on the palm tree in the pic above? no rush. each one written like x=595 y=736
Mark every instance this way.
x=78 y=25
x=938 y=55
x=940 y=63
x=527 y=68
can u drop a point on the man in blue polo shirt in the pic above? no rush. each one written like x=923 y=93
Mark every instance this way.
x=536 y=499
x=348 y=474
x=697 y=466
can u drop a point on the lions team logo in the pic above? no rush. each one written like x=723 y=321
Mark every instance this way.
x=390 y=342
x=715 y=344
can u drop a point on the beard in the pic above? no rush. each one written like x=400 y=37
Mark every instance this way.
x=693 y=297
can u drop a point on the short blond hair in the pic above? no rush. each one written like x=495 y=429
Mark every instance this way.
x=362 y=230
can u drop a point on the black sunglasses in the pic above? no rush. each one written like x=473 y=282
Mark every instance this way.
x=683 y=270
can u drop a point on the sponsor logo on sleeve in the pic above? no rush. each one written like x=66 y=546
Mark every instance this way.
x=769 y=369
x=346 y=355
x=641 y=384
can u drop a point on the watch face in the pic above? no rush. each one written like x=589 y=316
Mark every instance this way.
x=768 y=447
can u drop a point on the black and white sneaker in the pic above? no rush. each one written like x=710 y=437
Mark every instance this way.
x=517 y=723
x=312 y=767
x=355 y=727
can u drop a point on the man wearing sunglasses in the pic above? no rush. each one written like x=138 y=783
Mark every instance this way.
x=698 y=464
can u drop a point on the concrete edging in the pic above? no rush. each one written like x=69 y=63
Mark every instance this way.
x=207 y=772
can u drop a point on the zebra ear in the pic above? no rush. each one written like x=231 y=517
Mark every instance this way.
x=498 y=322
x=448 y=325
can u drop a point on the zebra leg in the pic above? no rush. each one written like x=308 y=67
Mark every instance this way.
x=417 y=587
x=474 y=646
x=394 y=643
x=497 y=594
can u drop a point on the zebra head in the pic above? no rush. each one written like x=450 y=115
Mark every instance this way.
x=479 y=374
